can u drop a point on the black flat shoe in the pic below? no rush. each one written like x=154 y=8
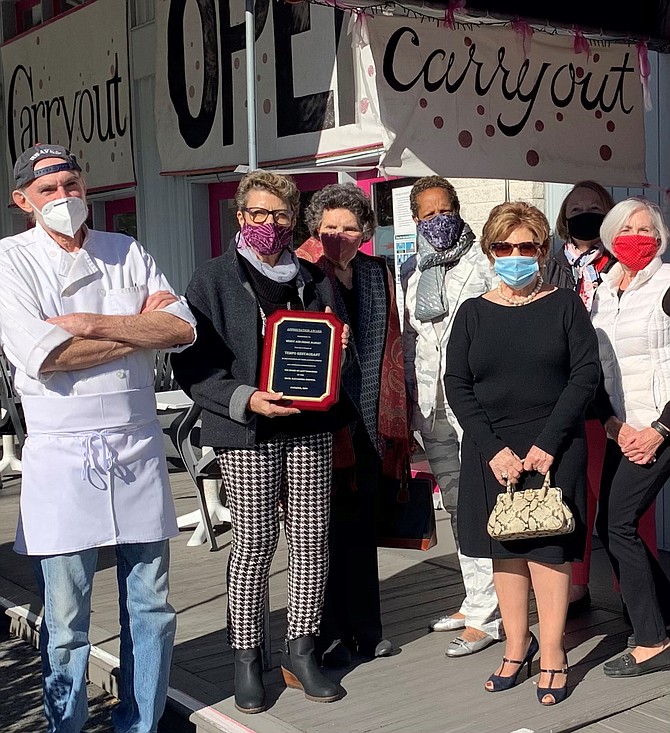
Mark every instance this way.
x=383 y=648
x=581 y=605
x=337 y=655
x=627 y=666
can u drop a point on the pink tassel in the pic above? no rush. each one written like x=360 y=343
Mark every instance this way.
x=525 y=30
x=645 y=73
x=358 y=29
x=453 y=7
x=581 y=45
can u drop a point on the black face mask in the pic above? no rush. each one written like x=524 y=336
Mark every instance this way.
x=585 y=226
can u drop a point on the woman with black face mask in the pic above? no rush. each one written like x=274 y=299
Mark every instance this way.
x=579 y=265
x=581 y=260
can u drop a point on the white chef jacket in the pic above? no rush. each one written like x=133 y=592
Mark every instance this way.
x=94 y=469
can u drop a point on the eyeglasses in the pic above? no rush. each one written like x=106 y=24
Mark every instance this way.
x=505 y=249
x=283 y=217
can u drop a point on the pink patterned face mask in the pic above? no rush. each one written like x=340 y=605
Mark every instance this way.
x=268 y=238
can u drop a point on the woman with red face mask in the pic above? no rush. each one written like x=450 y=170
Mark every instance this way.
x=631 y=315
x=340 y=218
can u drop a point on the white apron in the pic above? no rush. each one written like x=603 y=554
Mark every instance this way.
x=94 y=473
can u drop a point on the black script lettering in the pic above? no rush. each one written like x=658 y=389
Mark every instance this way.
x=388 y=69
x=115 y=83
x=529 y=99
x=526 y=86
x=313 y=112
x=50 y=103
x=39 y=120
x=617 y=96
x=19 y=70
x=86 y=136
x=194 y=130
x=232 y=41
x=563 y=101
x=37 y=109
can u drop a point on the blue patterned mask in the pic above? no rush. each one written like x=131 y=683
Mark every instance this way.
x=516 y=272
x=442 y=231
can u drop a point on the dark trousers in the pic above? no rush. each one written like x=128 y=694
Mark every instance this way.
x=627 y=491
x=352 y=610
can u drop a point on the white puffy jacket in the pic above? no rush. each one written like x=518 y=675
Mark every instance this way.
x=425 y=343
x=634 y=342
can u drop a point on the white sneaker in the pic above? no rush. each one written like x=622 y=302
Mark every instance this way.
x=446 y=623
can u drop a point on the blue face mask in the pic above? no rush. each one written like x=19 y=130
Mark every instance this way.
x=516 y=272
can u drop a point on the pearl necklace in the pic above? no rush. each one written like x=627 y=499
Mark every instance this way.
x=526 y=299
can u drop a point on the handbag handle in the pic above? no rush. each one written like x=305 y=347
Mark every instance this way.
x=544 y=489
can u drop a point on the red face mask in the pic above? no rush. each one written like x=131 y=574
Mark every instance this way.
x=340 y=248
x=635 y=251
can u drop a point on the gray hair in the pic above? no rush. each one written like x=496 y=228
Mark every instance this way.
x=341 y=196
x=617 y=218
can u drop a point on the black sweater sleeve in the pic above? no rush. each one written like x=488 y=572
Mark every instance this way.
x=204 y=370
x=582 y=381
x=459 y=385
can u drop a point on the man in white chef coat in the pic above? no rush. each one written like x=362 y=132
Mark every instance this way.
x=80 y=313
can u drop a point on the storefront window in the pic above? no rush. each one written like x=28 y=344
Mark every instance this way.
x=382 y=198
x=121 y=217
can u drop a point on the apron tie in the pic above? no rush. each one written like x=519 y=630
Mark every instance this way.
x=107 y=457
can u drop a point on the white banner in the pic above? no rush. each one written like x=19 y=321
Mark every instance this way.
x=67 y=82
x=466 y=103
x=310 y=85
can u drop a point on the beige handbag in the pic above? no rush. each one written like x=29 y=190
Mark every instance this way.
x=530 y=513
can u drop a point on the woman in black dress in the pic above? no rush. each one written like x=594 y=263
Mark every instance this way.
x=522 y=365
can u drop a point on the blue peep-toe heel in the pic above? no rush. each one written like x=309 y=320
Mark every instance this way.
x=558 y=693
x=500 y=682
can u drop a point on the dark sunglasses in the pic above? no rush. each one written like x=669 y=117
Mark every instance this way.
x=505 y=249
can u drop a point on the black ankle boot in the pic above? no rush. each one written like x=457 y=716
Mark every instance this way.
x=301 y=671
x=249 y=690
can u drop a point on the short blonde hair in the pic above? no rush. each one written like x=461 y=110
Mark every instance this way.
x=507 y=217
x=282 y=186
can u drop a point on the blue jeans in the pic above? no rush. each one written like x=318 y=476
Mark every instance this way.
x=147 y=633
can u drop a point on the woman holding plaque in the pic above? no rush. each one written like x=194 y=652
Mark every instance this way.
x=340 y=218
x=268 y=450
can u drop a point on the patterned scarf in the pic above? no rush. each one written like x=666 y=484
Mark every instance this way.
x=388 y=407
x=431 y=299
x=586 y=272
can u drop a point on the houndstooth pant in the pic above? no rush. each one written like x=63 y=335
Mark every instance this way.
x=297 y=470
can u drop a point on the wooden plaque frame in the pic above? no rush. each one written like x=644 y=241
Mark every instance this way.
x=306 y=368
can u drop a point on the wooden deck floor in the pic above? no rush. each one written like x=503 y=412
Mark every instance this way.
x=418 y=690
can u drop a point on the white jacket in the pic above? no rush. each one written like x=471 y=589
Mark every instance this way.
x=634 y=342
x=425 y=343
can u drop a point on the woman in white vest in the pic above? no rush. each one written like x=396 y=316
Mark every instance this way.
x=631 y=314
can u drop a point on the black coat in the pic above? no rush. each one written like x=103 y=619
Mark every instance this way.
x=222 y=368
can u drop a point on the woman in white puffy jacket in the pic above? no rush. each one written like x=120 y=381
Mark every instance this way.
x=631 y=315
x=448 y=269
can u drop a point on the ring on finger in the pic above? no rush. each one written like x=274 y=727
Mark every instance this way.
x=504 y=476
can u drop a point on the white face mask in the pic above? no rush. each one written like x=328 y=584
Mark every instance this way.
x=65 y=216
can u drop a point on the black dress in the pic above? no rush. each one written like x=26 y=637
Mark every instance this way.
x=517 y=377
